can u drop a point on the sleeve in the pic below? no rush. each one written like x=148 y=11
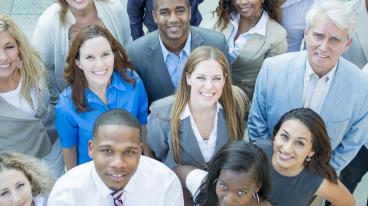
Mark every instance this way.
x=65 y=125
x=60 y=196
x=136 y=9
x=225 y=48
x=127 y=35
x=174 y=192
x=157 y=138
x=257 y=119
x=352 y=141
x=194 y=181
x=143 y=102
x=44 y=45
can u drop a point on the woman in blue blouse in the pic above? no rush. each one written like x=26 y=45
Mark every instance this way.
x=100 y=78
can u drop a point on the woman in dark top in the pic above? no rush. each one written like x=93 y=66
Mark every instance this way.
x=300 y=162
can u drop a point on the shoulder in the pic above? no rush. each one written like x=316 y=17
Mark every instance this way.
x=113 y=5
x=275 y=30
x=358 y=76
x=75 y=178
x=207 y=33
x=50 y=16
x=162 y=108
x=142 y=43
x=157 y=170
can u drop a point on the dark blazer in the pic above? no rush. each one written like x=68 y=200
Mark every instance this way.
x=140 y=11
x=147 y=58
x=160 y=141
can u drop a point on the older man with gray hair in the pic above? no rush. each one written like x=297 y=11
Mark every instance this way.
x=318 y=79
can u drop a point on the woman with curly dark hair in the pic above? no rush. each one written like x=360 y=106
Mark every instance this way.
x=253 y=32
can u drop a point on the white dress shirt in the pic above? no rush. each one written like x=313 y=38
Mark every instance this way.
x=208 y=146
x=315 y=88
x=365 y=69
x=236 y=45
x=152 y=184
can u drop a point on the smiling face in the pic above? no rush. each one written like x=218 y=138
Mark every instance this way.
x=79 y=5
x=15 y=189
x=235 y=188
x=116 y=150
x=206 y=83
x=325 y=44
x=96 y=59
x=172 y=18
x=9 y=56
x=248 y=9
x=291 y=146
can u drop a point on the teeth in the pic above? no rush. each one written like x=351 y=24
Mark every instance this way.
x=322 y=56
x=284 y=156
x=207 y=94
x=100 y=72
x=117 y=175
x=4 y=65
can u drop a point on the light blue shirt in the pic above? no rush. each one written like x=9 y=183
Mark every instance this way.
x=175 y=63
x=75 y=128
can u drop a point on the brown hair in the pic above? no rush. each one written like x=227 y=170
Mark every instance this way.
x=235 y=123
x=226 y=8
x=37 y=174
x=75 y=76
x=64 y=8
x=320 y=161
x=31 y=71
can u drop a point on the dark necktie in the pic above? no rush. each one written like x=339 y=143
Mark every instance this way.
x=116 y=195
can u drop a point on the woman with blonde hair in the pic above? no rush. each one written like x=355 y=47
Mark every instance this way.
x=60 y=23
x=23 y=180
x=203 y=117
x=26 y=115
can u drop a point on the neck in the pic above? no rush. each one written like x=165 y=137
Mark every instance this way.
x=11 y=82
x=175 y=46
x=100 y=91
x=199 y=109
x=88 y=12
x=250 y=22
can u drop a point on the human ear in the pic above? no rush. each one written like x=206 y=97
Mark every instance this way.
x=187 y=76
x=90 y=149
x=77 y=62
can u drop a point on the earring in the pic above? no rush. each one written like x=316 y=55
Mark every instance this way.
x=214 y=182
x=255 y=196
x=308 y=159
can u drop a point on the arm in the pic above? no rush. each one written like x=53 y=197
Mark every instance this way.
x=337 y=194
x=352 y=140
x=157 y=138
x=136 y=11
x=146 y=150
x=70 y=157
x=257 y=119
x=127 y=34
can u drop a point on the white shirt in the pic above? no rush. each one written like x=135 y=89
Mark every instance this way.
x=207 y=147
x=194 y=181
x=152 y=184
x=15 y=98
x=39 y=200
x=315 y=88
x=365 y=69
x=235 y=46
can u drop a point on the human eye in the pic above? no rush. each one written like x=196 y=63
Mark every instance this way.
x=3 y=193
x=164 y=12
x=317 y=36
x=335 y=40
x=217 y=78
x=106 y=151
x=9 y=47
x=130 y=152
x=300 y=144
x=20 y=185
x=106 y=54
x=180 y=11
x=223 y=186
x=284 y=137
x=89 y=57
x=242 y=193
x=200 y=78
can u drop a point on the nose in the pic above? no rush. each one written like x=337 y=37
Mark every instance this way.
x=118 y=162
x=324 y=45
x=99 y=62
x=229 y=199
x=243 y=1
x=208 y=84
x=17 y=199
x=288 y=146
x=173 y=17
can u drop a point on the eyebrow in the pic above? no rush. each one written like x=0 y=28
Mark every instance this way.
x=239 y=188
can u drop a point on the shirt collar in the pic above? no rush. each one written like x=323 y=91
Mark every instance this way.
x=186 y=112
x=327 y=77
x=288 y=3
x=259 y=28
x=185 y=50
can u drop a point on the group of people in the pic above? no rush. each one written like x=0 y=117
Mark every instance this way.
x=162 y=120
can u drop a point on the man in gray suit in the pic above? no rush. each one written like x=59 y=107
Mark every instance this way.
x=159 y=56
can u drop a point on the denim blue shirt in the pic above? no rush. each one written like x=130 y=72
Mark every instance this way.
x=175 y=63
x=75 y=128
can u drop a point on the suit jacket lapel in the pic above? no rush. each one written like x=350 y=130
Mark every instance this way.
x=222 y=131
x=9 y=111
x=296 y=80
x=189 y=142
x=334 y=93
x=160 y=69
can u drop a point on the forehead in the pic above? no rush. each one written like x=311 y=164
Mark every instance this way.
x=237 y=179
x=98 y=43
x=10 y=176
x=208 y=67
x=164 y=4
x=323 y=24
x=296 y=129
x=5 y=37
x=117 y=135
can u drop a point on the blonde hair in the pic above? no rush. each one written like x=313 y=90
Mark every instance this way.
x=64 y=6
x=234 y=122
x=36 y=173
x=31 y=71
